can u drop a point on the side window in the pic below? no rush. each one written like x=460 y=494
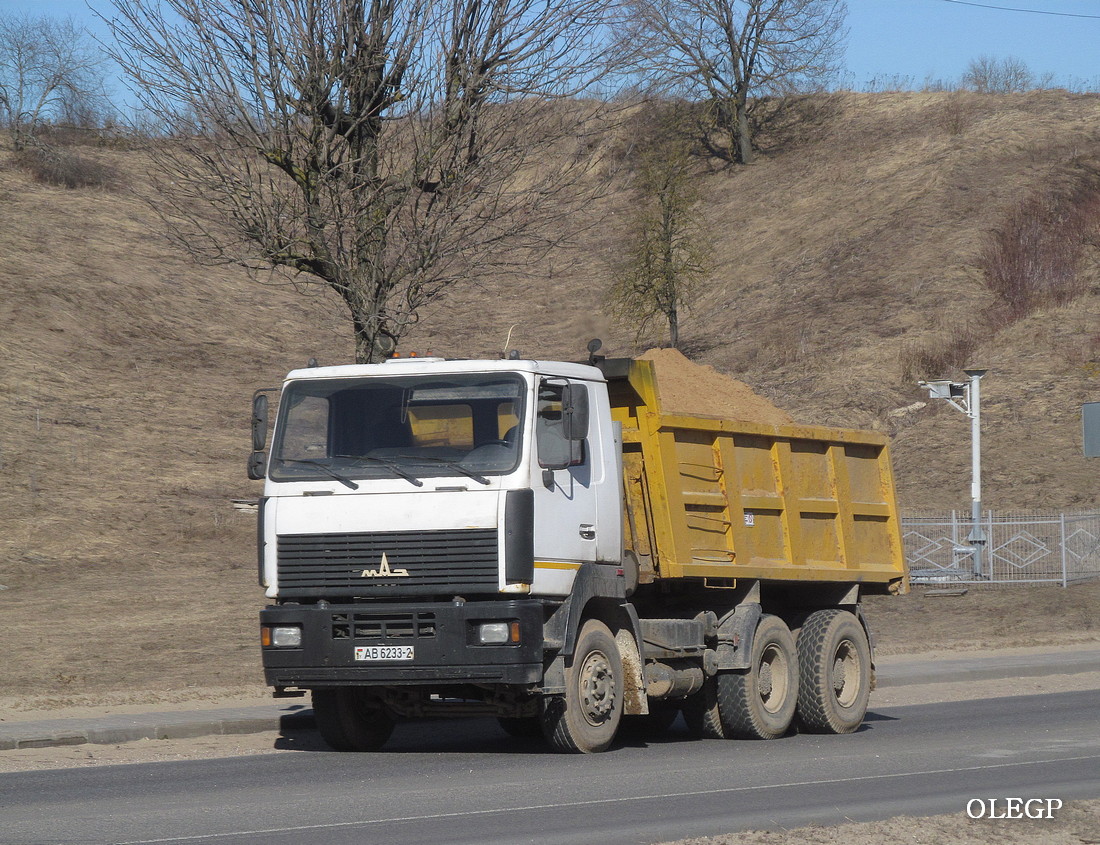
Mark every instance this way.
x=554 y=451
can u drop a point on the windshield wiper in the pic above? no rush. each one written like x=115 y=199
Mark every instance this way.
x=327 y=470
x=389 y=464
x=447 y=462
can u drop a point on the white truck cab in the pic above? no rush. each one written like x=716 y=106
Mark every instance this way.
x=416 y=459
x=422 y=520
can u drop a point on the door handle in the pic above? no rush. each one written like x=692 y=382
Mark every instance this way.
x=588 y=532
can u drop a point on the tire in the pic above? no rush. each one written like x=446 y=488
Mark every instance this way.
x=834 y=660
x=350 y=720
x=759 y=702
x=587 y=717
x=700 y=711
x=521 y=727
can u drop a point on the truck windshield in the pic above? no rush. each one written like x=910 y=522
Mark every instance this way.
x=408 y=427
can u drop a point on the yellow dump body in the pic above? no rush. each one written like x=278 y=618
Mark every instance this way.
x=723 y=500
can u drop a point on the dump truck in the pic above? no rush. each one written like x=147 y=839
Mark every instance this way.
x=544 y=543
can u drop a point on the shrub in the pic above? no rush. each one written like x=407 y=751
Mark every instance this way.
x=958 y=112
x=1032 y=260
x=53 y=166
x=937 y=358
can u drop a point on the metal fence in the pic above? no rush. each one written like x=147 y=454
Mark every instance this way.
x=1018 y=548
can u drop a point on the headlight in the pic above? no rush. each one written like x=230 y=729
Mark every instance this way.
x=498 y=633
x=282 y=636
x=492 y=633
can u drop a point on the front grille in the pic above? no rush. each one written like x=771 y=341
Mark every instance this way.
x=351 y=565
x=383 y=626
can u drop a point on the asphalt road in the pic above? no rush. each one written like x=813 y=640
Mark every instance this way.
x=469 y=783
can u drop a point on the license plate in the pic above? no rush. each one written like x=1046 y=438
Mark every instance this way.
x=383 y=652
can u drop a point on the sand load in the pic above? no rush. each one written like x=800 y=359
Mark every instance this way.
x=699 y=390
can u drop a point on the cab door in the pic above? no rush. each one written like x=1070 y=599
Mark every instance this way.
x=565 y=478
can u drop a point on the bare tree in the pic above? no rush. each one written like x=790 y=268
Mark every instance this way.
x=988 y=75
x=664 y=256
x=381 y=148
x=733 y=51
x=46 y=66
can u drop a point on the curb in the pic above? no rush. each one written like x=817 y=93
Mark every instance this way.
x=182 y=724
x=896 y=674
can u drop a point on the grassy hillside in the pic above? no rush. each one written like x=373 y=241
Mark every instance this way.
x=848 y=263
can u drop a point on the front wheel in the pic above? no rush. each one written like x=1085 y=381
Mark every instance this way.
x=350 y=720
x=587 y=717
x=759 y=702
x=834 y=659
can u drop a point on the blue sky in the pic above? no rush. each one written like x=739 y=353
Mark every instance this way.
x=907 y=39
x=937 y=39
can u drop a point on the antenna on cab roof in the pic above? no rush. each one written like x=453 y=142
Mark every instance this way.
x=504 y=353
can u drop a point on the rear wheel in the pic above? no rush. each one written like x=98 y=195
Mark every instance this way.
x=834 y=659
x=759 y=702
x=587 y=717
x=700 y=711
x=351 y=720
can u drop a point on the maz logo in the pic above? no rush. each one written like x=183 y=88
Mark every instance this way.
x=384 y=571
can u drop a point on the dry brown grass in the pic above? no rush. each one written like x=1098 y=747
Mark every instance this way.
x=125 y=400
x=852 y=247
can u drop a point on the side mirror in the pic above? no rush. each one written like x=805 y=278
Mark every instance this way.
x=574 y=408
x=259 y=421
x=257 y=464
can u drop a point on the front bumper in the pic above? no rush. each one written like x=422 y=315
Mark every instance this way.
x=441 y=634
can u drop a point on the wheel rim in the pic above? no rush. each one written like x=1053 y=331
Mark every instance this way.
x=846 y=673
x=597 y=688
x=773 y=678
